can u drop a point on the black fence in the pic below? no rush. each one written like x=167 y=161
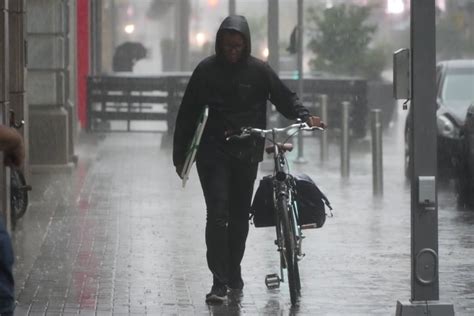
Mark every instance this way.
x=157 y=98
x=112 y=98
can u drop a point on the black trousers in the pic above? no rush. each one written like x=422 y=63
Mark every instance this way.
x=227 y=184
x=7 y=298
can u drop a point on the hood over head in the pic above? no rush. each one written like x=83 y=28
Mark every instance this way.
x=237 y=23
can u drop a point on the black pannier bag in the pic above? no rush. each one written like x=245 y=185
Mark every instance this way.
x=263 y=209
x=309 y=199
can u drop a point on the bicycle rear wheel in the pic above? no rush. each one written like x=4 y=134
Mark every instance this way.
x=18 y=195
x=289 y=249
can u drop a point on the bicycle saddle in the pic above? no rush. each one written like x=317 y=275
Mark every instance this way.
x=283 y=147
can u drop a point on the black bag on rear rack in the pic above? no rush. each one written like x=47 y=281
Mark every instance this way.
x=310 y=203
x=263 y=209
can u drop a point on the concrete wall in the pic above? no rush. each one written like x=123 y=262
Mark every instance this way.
x=17 y=63
x=49 y=83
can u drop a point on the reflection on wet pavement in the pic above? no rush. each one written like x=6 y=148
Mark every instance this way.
x=118 y=235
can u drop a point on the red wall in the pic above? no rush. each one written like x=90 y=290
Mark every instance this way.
x=82 y=58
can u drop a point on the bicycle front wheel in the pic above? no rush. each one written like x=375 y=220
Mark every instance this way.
x=289 y=249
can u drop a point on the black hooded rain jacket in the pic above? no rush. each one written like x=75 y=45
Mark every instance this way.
x=237 y=97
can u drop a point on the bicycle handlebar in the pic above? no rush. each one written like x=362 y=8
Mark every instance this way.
x=250 y=131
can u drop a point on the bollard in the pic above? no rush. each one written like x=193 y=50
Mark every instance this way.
x=300 y=158
x=345 y=139
x=324 y=135
x=377 y=153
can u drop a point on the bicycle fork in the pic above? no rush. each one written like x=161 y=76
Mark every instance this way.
x=299 y=234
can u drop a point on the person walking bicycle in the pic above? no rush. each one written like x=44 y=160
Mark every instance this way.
x=235 y=86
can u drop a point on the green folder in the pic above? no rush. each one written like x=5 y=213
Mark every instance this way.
x=194 y=145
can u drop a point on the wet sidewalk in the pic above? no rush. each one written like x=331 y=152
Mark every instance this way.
x=119 y=236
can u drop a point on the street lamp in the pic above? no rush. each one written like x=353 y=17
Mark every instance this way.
x=395 y=6
x=213 y=3
x=129 y=28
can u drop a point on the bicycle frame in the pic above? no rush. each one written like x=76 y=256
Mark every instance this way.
x=282 y=185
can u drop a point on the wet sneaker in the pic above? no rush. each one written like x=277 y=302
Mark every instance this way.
x=236 y=285
x=218 y=294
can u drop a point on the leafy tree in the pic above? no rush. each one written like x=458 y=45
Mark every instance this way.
x=340 y=38
x=452 y=38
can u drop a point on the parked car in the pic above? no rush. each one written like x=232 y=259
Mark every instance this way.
x=454 y=94
x=465 y=161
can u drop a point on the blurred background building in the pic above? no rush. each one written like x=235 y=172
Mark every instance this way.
x=66 y=41
x=160 y=24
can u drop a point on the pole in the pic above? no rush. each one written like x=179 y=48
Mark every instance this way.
x=96 y=37
x=424 y=224
x=113 y=23
x=300 y=158
x=273 y=38
x=232 y=7
x=377 y=153
x=273 y=35
x=185 y=12
x=424 y=204
x=324 y=135
x=345 y=166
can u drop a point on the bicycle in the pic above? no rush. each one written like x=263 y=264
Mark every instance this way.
x=18 y=186
x=288 y=230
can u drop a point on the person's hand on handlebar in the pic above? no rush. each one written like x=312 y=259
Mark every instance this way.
x=315 y=121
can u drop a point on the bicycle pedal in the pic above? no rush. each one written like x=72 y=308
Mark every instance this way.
x=272 y=281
